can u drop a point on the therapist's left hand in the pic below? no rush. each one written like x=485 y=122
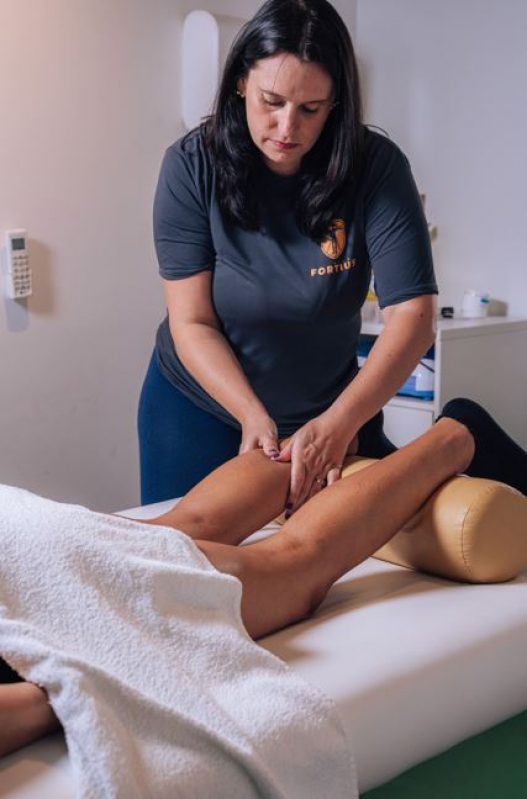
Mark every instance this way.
x=316 y=452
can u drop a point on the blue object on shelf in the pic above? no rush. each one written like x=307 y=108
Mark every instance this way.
x=420 y=384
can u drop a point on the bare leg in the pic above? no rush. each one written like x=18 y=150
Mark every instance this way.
x=25 y=716
x=286 y=576
x=238 y=498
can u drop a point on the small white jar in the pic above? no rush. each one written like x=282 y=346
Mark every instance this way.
x=475 y=305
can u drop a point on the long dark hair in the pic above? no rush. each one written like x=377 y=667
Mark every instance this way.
x=313 y=31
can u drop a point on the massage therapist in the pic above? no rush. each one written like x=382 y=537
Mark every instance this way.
x=268 y=220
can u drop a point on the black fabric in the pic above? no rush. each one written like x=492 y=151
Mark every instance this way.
x=289 y=307
x=7 y=674
x=497 y=456
x=373 y=442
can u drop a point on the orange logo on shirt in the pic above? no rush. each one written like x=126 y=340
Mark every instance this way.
x=334 y=243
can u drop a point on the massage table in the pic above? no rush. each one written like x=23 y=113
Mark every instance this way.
x=415 y=664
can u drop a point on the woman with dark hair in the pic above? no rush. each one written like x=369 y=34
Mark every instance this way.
x=268 y=220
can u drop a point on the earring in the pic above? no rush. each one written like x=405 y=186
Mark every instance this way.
x=240 y=94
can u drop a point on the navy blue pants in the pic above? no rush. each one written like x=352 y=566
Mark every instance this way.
x=180 y=444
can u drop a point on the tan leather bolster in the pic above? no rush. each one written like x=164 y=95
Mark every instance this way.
x=471 y=529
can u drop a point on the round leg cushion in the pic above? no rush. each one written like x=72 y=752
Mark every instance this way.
x=471 y=529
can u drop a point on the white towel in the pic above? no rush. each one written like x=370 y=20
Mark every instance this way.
x=139 y=642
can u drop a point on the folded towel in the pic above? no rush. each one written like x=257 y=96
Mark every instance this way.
x=139 y=642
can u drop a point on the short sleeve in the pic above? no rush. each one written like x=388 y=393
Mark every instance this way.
x=182 y=232
x=396 y=231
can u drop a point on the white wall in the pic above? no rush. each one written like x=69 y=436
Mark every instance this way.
x=447 y=80
x=244 y=9
x=89 y=102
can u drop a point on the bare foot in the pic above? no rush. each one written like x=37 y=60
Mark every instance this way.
x=25 y=716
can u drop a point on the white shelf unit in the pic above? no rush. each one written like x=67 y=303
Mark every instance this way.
x=483 y=359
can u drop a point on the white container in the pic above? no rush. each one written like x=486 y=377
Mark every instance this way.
x=425 y=376
x=475 y=305
x=370 y=311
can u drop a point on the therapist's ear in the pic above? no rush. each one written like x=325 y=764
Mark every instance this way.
x=241 y=87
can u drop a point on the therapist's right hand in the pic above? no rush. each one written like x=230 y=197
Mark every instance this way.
x=259 y=432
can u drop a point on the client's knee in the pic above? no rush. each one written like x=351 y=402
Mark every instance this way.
x=194 y=520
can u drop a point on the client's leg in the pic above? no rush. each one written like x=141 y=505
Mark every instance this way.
x=238 y=498
x=286 y=576
x=25 y=716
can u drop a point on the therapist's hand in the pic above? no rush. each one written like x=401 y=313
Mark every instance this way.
x=259 y=432
x=316 y=452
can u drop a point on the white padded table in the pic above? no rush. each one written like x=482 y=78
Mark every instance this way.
x=415 y=664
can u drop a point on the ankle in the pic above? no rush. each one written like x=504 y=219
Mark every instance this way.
x=460 y=441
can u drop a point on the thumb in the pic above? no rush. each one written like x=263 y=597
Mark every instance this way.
x=285 y=454
x=334 y=475
x=270 y=447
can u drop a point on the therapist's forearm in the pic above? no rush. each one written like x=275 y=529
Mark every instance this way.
x=405 y=338
x=207 y=355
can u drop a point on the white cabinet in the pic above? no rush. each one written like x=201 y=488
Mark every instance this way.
x=483 y=359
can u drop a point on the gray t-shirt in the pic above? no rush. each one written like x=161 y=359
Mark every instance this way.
x=289 y=307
